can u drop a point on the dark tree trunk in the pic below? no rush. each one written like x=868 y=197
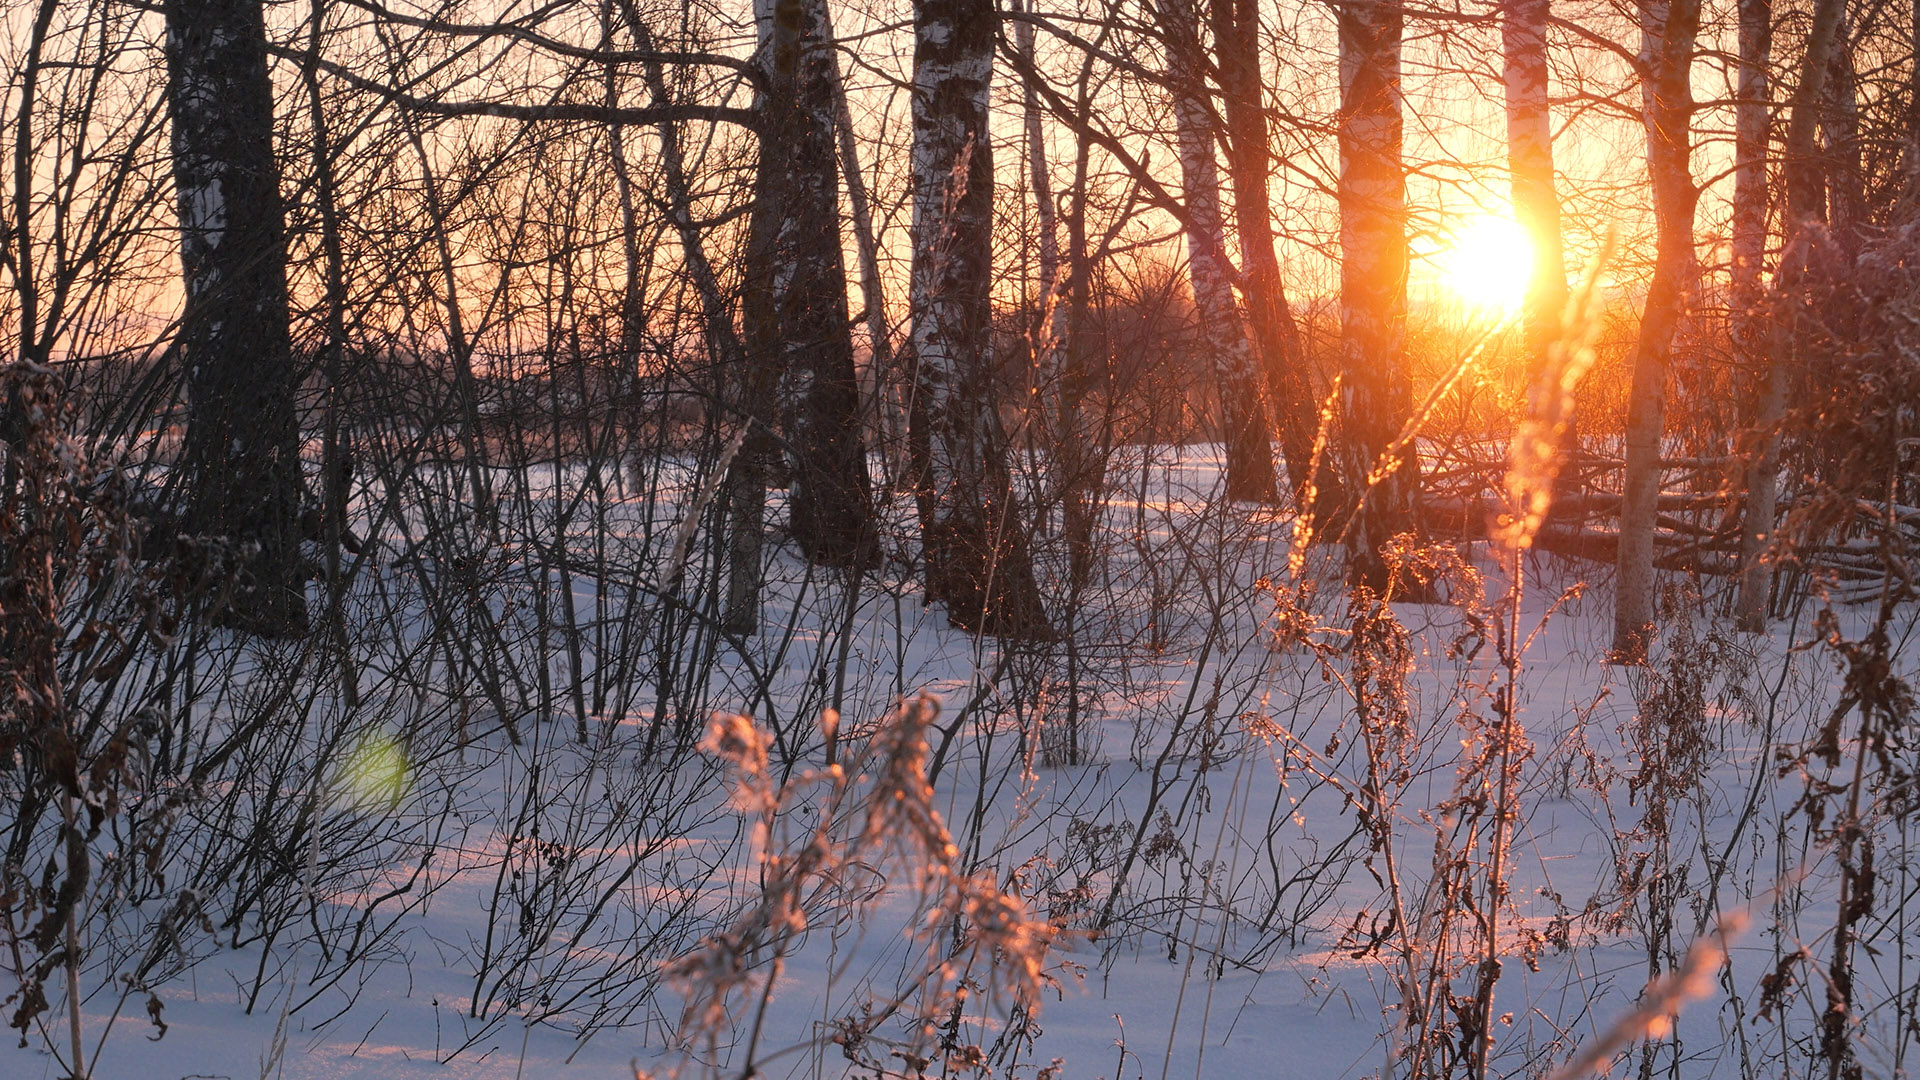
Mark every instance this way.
x=1840 y=125
x=242 y=453
x=976 y=548
x=831 y=504
x=1377 y=396
x=1290 y=399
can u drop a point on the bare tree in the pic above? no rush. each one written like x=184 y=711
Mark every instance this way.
x=243 y=436
x=886 y=414
x=1752 y=109
x=1068 y=361
x=1381 y=471
x=978 y=560
x=1536 y=204
x=1250 y=473
x=1283 y=359
x=1668 y=31
x=1806 y=201
x=798 y=201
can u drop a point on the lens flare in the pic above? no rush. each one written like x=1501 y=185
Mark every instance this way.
x=374 y=773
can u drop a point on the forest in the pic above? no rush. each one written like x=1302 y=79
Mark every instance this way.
x=962 y=539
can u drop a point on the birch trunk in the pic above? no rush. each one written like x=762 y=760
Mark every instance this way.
x=1747 y=323
x=1668 y=30
x=1069 y=365
x=1840 y=130
x=977 y=554
x=1290 y=398
x=243 y=435
x=1250 y=474
x=1806 y=198
x=1377 y=393
x=1040 y=176
x=1536 y=204
x=1752 y=110
x=809 y=337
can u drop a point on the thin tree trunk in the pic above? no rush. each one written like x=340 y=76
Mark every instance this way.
x=1250 y=474
x=335 y=466
x=1747 y=323
x=243 y=435
x=1068 y=364
x=1806 y=199
x=748 y=390
x=1536 y=204
x=1752 y=110
x=1040 y=177
x=750 y=396
x=1052 y=331
x=1290 y=399
x=887 y=403
x=1085 y=440
x=1840 y=125
x=1913 y=110
x=1377 y=392
x=1668 y=29
x=632 y=311
x=977 y=554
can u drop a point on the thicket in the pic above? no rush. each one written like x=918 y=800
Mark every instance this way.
x=526 y=542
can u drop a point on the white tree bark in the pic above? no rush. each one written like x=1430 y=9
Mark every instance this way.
x=1250 y=474
x=977 y=555
x=1804 y=234
x=1752 y=108
x=1536 y=204
x=1668 y=32
x=1377 y=393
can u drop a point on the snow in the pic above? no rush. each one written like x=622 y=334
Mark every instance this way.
x=516 y=905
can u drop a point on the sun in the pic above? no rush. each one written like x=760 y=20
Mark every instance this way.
x=1487 y=263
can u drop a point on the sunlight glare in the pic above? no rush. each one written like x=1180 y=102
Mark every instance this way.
x=1487 y=263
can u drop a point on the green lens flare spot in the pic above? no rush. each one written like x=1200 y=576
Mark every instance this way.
x=374 y=772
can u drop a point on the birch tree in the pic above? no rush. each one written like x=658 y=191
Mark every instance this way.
x=1536 y=204
x=1290 y=399
x=1668 y=32
x=797 y=206
x=1752 y=109
x=242 y=452
x=1250 y=474
x=1377 y=393
x=1806 y=199
x=1746 y=299
x=977 y=553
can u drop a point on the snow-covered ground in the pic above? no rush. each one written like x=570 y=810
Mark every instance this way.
x=1259 y=828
